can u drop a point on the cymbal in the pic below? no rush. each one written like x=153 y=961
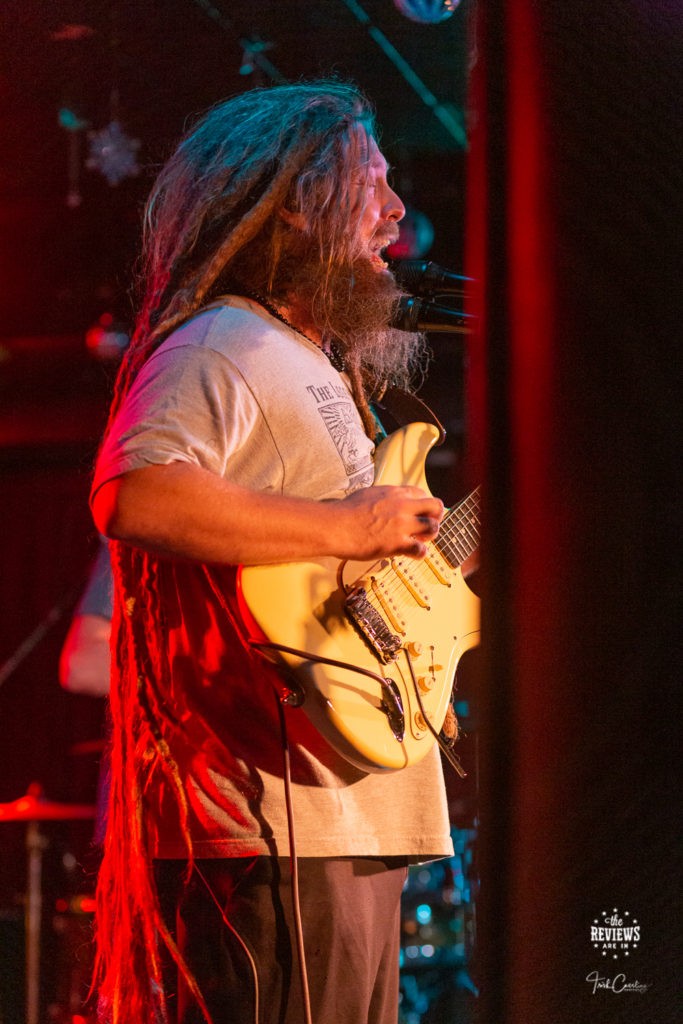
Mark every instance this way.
x=34 y=807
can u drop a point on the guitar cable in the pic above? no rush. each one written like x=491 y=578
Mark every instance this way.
x=386 y=688
x=294 y=872
x=281 y=700
x=228 y=924
x=294 y=865
x=307 y=656
x=262 y=647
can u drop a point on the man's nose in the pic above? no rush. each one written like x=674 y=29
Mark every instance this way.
x=393 y=208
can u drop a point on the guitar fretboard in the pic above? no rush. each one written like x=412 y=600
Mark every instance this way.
x=459 y=533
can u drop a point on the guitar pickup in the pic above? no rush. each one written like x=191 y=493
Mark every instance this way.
x=372 y=626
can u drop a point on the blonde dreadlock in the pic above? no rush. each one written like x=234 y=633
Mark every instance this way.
x=214 y=210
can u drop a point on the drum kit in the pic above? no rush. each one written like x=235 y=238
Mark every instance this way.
x=438 y=933
x=34 y=809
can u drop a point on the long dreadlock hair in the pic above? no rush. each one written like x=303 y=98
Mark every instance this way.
x=212 y=225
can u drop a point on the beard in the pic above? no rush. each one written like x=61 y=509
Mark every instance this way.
x=353 y=304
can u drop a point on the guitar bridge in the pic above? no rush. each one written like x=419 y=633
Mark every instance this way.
x=372 y=626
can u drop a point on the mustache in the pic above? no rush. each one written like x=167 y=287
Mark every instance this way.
x=387 y=235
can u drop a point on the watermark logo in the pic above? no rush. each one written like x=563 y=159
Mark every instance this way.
x=618 y=984
x=615 y=933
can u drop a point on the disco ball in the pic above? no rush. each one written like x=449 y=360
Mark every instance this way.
x=427 y=12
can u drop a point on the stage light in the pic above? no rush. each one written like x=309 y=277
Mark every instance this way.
x=427 y=12
x=415 y=238
x=106 y=339
x=424 y=913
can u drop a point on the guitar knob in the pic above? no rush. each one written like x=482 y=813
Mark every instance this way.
x=414 y=648
x=425 y=683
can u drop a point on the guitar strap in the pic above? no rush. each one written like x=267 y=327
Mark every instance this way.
x=403 y=407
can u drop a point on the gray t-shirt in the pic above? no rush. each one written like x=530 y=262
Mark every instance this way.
x=241 y=395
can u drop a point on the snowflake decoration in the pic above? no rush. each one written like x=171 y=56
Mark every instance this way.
x=113 y=153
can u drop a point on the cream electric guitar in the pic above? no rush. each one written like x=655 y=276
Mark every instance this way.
x=374 y=646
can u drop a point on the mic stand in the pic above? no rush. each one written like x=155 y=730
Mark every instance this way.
x=36 y=843
x=37 y=634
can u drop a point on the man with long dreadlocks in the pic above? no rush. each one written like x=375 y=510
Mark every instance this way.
x=242 y=433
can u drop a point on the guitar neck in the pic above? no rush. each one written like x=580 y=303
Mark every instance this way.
x=459 y=533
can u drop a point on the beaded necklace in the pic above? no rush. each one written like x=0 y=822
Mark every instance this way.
x=335 y=355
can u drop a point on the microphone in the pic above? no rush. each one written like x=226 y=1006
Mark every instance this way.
x=413 y=314
x=422 y=277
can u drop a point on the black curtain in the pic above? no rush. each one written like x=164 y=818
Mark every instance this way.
x=573 y=235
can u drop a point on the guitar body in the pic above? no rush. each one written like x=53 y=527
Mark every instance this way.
x=424 y=607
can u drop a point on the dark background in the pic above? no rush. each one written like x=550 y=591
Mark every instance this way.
x=152 y=65
x=574 y=190
x=168 y=61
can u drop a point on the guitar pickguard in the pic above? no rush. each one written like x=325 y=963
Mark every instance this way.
x=365 y=628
